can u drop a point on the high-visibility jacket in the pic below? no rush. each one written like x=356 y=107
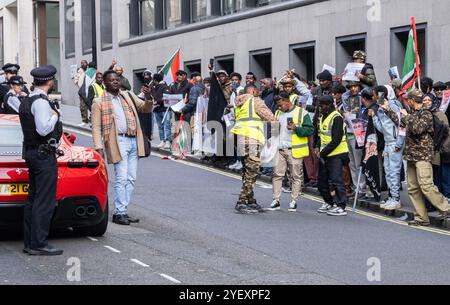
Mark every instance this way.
x=98 y=90
x=300 y=147
x=248 y=123
x=326 y=127
x=294 y=98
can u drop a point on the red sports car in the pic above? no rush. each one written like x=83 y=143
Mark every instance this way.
x=82 y=192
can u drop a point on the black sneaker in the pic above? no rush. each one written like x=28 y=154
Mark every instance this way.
x=131 y=219
x=121 y=220
x=275 y=206
x=245 y=209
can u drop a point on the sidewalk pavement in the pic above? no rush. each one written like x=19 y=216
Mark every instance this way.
x=70 y=116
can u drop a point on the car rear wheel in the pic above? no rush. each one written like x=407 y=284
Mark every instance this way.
x=97 y=230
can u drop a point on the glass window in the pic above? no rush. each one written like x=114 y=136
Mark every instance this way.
x=266 y=2
x=199 y=10
x=11 y=136
x=106 y=22
x=69 y=28
x=86 y=26
x=147 y=16
x=173 y=13
x=232 y=6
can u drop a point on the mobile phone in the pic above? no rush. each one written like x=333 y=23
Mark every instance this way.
x=211 y=62
x=381 y=99
x=290 y=121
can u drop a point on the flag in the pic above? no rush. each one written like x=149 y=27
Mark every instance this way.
x=181 y=140
x=171 y=67
x=89 y=79
x=370 y=163
x=411 y=68
x=217 y=102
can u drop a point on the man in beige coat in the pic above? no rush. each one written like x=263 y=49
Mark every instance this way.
x=116 y=130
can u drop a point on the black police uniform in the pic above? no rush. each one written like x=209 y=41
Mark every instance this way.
x=41 y=160
x=5 y=108
x=4 y=87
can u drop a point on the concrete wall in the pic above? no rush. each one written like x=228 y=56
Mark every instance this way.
x=321 y=22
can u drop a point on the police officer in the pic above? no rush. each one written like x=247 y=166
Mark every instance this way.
x=42 y=130
x=14 y=96
x=9 y=70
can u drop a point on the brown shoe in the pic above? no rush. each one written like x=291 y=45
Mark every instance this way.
x=443 y=215
x=416 y=223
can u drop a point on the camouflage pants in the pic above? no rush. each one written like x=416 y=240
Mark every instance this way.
x=250 y=172
x=84 y=110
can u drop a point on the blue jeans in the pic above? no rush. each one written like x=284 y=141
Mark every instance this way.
x=393 y=166
x=125 y=174
x=445 y=179
x=164 y=129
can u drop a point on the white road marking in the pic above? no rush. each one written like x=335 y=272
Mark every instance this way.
x=139 y=263
x=174 y=280
x=310 y=197
x=92 y=239
x=112 y=249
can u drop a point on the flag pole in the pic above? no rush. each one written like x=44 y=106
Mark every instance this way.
x=418 y=70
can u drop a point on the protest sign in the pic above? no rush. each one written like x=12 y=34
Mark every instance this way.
x=349 y=117
x=178 y=106
x=445 y=101
x=393 y=73
x=172 y=99
x=359 y=128
x=329 y=69
x=351 y=72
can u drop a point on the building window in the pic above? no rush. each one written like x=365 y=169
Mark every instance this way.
x=399 y=42
x=193 y=66
x=232 y=6
x=106 y=23
x=86 y=26
x=199 y=10
x=173 y=13
x=266 y=2
x=69 y=28
x=224 y=63
x=147 y=18
x=302 y=59
x=345 y=47
x=261 y=63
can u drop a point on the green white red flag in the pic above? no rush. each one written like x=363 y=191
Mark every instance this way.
x=171 y=67
x=411 y=68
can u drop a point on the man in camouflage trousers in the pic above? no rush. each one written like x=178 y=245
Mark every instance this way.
x=419 y=152
x=250 y=113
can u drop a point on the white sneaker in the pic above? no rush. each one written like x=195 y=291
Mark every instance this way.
x=239 y=166
x=384 y=202
x=337 y=211
x=233 y=166
x=275 y=206
x=161 y=145
x=392 y=205
x=167 y=145
x=324 y=209
x=293 y=206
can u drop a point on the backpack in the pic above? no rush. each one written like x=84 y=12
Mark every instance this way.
x=441 y=132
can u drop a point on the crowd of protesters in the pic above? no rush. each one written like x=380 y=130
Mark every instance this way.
x=404 y=134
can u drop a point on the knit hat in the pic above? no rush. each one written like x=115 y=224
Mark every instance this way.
x=326 y=99
x=367 y=94
x=325 y=75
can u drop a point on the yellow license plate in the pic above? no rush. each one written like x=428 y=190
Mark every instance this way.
x=16 y=189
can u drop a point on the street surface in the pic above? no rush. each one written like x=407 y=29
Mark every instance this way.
x=190 y=234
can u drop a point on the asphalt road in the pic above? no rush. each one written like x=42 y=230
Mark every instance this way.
x=189 y=234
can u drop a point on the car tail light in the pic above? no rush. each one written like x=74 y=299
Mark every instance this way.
x=92 y=163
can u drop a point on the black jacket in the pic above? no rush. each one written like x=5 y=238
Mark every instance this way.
x=337 y=133
x=267 y=96
x=158 y=91
x=180 y=88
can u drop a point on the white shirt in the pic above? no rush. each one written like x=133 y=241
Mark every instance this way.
x=44 y=116
x=285 y=133
x=121 y=121
x=13 y=101
x=234 y=95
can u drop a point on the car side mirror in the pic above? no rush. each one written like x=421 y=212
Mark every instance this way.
x=71 y=137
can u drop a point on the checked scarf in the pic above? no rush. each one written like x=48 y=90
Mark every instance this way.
x=107 y=111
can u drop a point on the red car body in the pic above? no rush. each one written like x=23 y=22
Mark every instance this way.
x=82 y=190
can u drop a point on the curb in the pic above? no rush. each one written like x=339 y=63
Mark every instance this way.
x=364 y=205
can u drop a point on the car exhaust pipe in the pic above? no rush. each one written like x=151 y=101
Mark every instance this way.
x=80 y=211
x=91 y=210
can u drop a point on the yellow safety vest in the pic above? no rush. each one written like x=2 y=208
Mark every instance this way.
x=248 y=123
x=294 y=99
x=326 y=128
x=98 y=90
x=300 y=147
